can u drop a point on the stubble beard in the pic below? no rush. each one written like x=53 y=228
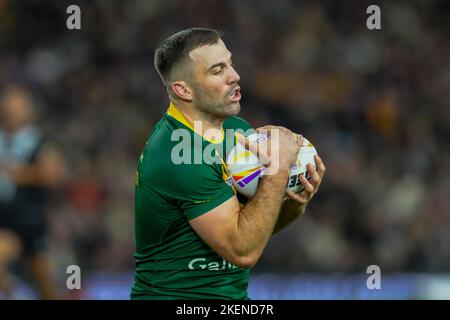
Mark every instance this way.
x=217 y=107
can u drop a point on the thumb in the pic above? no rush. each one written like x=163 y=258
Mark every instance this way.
x=243 y=140
x=253 y=147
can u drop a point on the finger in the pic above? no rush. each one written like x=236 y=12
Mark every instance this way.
x=319 y=165
x=243 y=140
x=315 y=178
x=264 y=151
x=268 y=127
x=300 y=139
x=296 y=197
x=266 y=130
x=309 y=188
x=261 y=150
x=263 y=158
x=285 y=130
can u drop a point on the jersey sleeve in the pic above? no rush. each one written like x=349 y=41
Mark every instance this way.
x=200 y=189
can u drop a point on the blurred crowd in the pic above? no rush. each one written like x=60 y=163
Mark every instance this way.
x=375 y=103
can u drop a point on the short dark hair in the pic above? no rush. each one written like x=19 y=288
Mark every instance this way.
x=177 y=47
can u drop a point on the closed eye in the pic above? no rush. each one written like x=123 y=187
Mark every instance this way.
x=217 y=71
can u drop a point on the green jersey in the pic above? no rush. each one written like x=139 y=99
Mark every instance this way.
x=173 y=187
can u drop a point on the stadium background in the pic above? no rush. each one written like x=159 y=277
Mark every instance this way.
x=376 y=104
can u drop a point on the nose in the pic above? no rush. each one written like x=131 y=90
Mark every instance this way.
x=233 y=76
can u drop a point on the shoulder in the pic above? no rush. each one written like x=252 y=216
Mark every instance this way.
x=160 y=133
x=174 y=160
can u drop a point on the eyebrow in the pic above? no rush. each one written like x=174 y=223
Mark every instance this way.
x=219 y=64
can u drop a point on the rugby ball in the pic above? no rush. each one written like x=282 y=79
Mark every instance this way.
x=246 y=169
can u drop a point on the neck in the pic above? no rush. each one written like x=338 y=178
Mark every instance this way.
x=204 y=124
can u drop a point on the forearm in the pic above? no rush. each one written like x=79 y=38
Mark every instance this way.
x=49 y=175
x=256 y=221
x=290 y=211
x=26 y=176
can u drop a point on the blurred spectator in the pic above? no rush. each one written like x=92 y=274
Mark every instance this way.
x=29 y=163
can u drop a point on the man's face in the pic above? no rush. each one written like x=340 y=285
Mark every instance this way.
x=15 y=109
x=214 y=81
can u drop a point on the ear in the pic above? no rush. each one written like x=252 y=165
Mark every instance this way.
x=182 y=90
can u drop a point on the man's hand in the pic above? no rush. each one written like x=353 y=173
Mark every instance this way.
x=279 y=151
x=310 y=187
x=296 y=202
